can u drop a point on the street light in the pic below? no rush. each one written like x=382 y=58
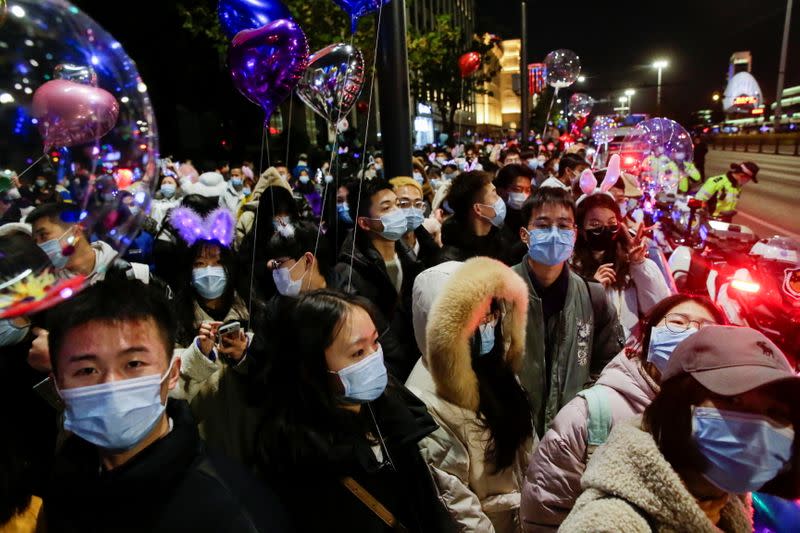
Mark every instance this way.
x=715 y=97
x=581 y=79
x=629 y=93
x=623 y=100
x=660 y=65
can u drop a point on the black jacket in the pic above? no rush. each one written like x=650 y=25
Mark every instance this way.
x=429 y=250
x=461 y=244
x=317 y=500
x=173 y=485
x=369 y=278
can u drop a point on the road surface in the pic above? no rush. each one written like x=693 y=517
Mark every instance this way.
x=771 y=206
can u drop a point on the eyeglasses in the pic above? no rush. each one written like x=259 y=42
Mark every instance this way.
x=678 y=322
x=405 y=204
x=560 y=225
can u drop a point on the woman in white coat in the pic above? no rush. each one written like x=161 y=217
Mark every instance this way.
x=475 y=339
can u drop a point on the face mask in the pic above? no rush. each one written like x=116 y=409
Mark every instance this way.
x=623 y=208
x=284 y=282
x=328 y=178
x=663 y=342
x=499 y=212
x=601 y=239
x=449 y=175
x=53 y=250
x=533 y=164
x=441 y=160
x=744 y=450
x=516 y=199
x=394 y=223
x=414 y=217
x=541 y=160
x=550 y=246
x=246 y=191
x=304 y=179
x=418 y=178
x=236 y=182
x=168 y=191
x=343 y=210
x=11 y=334
x=41 y=183
x=115 y=415
x=487 y=337
x=435 y=183
x=366 y=380
x=209 y=282
x=555 y=168
x=378 y=167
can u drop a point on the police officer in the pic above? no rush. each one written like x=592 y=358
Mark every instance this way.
x=721 y=193
x=689 y=174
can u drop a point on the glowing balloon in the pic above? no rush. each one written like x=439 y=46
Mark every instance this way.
x=266 y=63
x=358 y=8
x=603 y=130
x=469 y=63
x=73 y=81
x=563 y=68
x=660 y=146
x=332 y=81
x=580 y=105
x=238 y=15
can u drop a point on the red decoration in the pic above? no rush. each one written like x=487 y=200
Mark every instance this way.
x=469 y=63
x=362 y=107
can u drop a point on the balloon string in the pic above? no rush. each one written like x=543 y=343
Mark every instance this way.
x=255 y=231
x=289 y=129
x=366 y=136
x=461 y=115
x=31 y=165
x=549 y=110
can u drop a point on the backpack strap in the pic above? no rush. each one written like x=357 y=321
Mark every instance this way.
x=599 y=423
x=596 y=299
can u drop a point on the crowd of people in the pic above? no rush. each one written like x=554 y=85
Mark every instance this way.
x=479 y=346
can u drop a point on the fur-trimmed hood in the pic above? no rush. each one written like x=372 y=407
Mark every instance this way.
x=454 y=317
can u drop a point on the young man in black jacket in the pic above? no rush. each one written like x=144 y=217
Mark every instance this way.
x=134 y=462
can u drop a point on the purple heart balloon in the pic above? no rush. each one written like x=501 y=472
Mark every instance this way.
x=266 y=63
x=358 y=8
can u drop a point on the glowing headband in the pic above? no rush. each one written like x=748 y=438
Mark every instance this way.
x=217 y=226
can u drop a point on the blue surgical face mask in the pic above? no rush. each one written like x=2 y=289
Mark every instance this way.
x=394 y=223
x=343 y=210
x=550 y=246
x=236 y=182
x=328 y=178
x=487 y=337
x=744 y=450
x=41 y=183
x=449 y=175
x=284 y=282
x=11 y=334
x=303 y=179
x=516 y=199
x=366 y=380
x=115 y=415
x=435 y=183
x=246 y=191
x=418 y=178
x=533 y=164
x=55 y=252
x=499 y=212
x=663 y=342
x=414 y=216
x=167 y=190
x=209 y=282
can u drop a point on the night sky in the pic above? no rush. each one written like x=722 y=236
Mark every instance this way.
x=196 y=105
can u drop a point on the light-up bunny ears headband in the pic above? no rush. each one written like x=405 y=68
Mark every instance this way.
x=589 y=183
x=218 y=226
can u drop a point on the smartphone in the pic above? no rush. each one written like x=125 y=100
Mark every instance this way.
x=229 y=329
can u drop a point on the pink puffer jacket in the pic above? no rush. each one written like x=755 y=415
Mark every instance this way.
x=553 y=479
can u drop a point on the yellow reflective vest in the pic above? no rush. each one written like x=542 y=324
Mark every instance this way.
x=723 y=190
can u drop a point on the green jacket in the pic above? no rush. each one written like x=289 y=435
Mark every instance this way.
x=585 y=344
x=688 y=172
x=720 y=193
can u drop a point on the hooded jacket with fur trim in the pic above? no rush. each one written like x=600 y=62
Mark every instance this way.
x=480 y=498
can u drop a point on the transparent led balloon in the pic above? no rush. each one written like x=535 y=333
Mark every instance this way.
x=563 y=68
x=580 y=105
x=603 y=130
x=73 y=110
x=661 y=148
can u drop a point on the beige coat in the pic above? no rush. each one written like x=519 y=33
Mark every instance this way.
x=269 y=178
x=480 y=499
x=629 y=486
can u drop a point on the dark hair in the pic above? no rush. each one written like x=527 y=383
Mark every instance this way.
x=583 y=260
x=200 y=204
x=641 y=332
x=111 y=301
x=20 y=252
x=360 y=193
x=464 y=191
x=186 y=295
x=509 y=173
x=546 y=196
x=528 y=153
x=302 y=420
x=508 y=151
x=306 y=238
x=58 y=213
x=504 y=407
x=570 y=162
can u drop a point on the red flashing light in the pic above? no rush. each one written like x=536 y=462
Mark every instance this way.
x=694 y=203
x=746 y=286
x=629 y=161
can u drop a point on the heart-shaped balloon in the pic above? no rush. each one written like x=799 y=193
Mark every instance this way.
x=71 y=113
x=266 y=63
x=588 y=182
x=358 y=8
x=77 y=73
x=332 y=81
x=612 y=173
x=469 y=63
x=238 y=15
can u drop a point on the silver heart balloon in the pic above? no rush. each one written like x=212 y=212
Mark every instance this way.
x=332 y=81
x=82 y=74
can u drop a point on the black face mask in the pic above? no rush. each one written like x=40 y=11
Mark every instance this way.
x=602 y=239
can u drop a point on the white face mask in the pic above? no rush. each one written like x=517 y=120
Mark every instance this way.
x=284 y=282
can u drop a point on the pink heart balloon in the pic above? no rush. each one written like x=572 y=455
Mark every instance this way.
x=71 y=113
x=588 y=182
x=612 y=173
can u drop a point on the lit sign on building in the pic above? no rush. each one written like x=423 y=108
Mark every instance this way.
x=537 y=78
x=745 y=100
